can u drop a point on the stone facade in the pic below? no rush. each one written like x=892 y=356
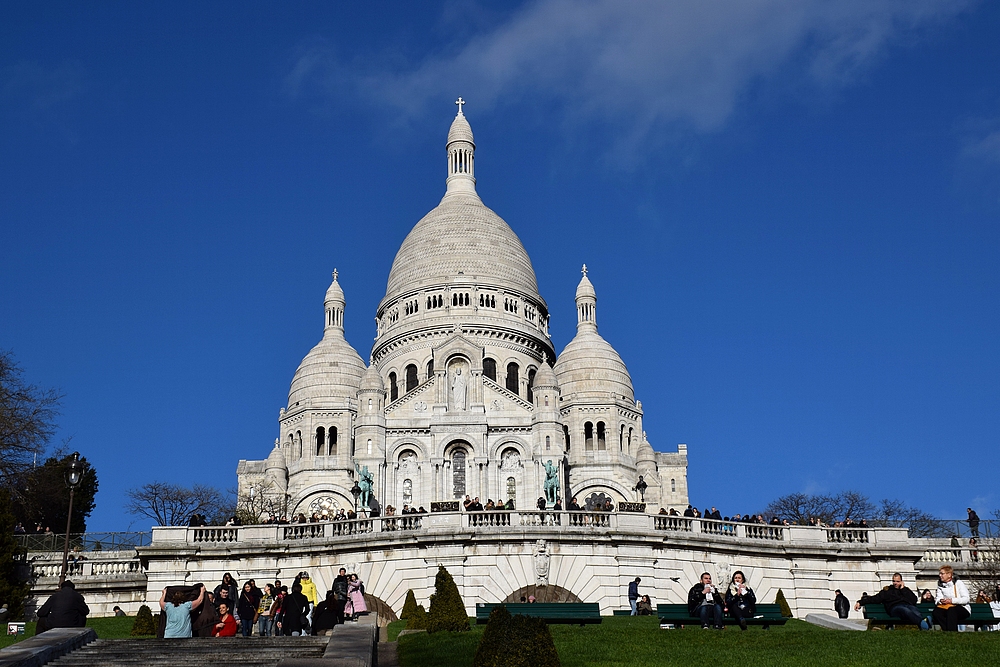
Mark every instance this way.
x=464 y=393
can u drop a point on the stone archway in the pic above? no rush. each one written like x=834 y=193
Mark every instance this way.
x=548 y=593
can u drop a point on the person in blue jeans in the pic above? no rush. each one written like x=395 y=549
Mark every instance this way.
x=705 y=602
x=899 y=601
x=633 y=594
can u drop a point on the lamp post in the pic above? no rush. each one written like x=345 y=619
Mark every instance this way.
x=355 y=491
x=641 y=488
x=74 y=475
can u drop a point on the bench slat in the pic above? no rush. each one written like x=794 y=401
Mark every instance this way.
x=553 y=612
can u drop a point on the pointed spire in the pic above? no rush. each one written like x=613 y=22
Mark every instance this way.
x=461 y=155
x=586 y=303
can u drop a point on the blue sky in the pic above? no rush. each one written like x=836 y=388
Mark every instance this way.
x=789 y=210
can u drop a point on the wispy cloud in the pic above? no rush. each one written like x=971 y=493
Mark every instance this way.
x=38 y=88
x=642 y=66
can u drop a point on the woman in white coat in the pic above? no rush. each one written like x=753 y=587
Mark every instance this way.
x=952 y=600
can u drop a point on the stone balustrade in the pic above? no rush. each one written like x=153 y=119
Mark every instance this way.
x=99 y=565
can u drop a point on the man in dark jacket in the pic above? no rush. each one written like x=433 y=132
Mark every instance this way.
x=841 y=605
x=973 y=522
x=704 y=602
x=633 y=594
x=340 y=594
x=64 y=609
x=899 y=602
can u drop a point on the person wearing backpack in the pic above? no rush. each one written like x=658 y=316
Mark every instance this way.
x=340 y=594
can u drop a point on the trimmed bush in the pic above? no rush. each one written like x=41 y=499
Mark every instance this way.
x=144 y=624
x=409 y=606
x=447 y=610
x=418 y=619
x=515 y=641
x=780 y=600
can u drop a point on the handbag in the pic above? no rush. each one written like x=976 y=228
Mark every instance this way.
x=954 y=594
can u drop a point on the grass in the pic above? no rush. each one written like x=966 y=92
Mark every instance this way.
x=106 y=628
x=638 y=642
x=393 y=629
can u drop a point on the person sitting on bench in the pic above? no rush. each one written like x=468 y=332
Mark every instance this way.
x=705 y=602
x=899 y=601
x=740 y=600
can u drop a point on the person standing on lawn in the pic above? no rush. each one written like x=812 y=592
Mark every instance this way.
x=841 y=605
x=899 y=601
x=633 y=594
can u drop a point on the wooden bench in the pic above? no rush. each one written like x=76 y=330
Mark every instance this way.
x=875 y=614
x=677 y=614
x=576 y=613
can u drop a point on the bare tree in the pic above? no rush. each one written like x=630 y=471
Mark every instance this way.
x=800 y=507
x=27 y=420
x=173 y=505
x=897 y=514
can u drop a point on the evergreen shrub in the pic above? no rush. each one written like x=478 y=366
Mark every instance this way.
x=447 y=610
x=144 y=624
x=515 y=641
x=14 y=568
x=418 y=619
x=780 y=600
x=409 y=606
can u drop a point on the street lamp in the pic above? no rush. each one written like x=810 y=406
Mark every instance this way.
x=74 y=475
x=355 y=491
x=641 y=488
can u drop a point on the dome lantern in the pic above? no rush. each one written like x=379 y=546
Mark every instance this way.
x=586 y=304
x=461 y=155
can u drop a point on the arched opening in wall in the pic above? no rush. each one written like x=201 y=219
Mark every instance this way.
x=621 y=439
x=588 y=437
x=320 y=441
x=458 y=459
x=566 y=436
x=548 y=593
x=548 y=443
x=430 y=369
x=673 y=486
x=512 y=379
x=628 y=442
x=298 y=440
x=407 y=491
x=332 y=441
x=490 y=368
x=531 y=381
x=512 y=490
x=411 y=377
x=602 y=443
x=393 y=387
x=385 y=613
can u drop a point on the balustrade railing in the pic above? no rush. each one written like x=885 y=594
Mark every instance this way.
x=847 y=535
x=540 y=518
x=215 y=534
x=712 y=527
x=757 y=531
x=667 y=522
x=491 y=518
x=83 y=568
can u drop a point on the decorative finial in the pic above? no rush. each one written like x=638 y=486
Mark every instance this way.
x=584 y=270
x=545 y=357
x=335 y=274
x=460 y=102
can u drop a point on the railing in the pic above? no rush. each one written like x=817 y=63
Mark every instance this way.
x=83 y=568
x=404 y=522
x=84 y=541
x=847 y=535
x=590 y=519
x=215 y=534
x=757 y=531
x=491 y=518
x=540 y=518
x=677 y=523
x=712 y=527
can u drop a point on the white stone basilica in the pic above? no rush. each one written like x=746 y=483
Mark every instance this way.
x=459 y=397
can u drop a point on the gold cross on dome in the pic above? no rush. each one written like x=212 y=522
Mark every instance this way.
x=459 y=102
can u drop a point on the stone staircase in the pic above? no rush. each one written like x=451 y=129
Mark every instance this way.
x=196 y=652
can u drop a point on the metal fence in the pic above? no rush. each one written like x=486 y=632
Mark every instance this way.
x=987 y=529
x=84 y=541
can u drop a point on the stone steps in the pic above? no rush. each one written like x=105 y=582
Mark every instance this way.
x=195 y=652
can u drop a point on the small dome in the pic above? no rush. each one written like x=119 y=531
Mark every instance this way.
x=334 y=293
x=585 y=288
x=372 y=381
x=276 y=459
x=460 y=130
x=589 y=365
x=645 y=454
x=545 y=377
x=332 y=370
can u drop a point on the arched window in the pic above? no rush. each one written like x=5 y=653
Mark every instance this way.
x=621 y=439
x=548 y=443
x=601 y=440
x=320 y=441
x=393 y=387
x=566 y=436
x=512 y=380
x=454 y=299
x=628 y=442
x=458 y=472
x=369 y=446
x=332 y=441
x=673 y=486
x=531 y=380
x=546 y=400
x=490 y=368
x=298 y=439
x=411 y=378
x=369 y=405
x=511 y=489
x=407 y=492
x=588 y=436
x=430 y=369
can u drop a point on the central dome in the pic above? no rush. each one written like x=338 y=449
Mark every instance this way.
x=461 y=235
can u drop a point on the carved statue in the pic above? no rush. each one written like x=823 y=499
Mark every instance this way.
x=541 y=564
x=366 y=481
x=551 y=481
x=458 y=390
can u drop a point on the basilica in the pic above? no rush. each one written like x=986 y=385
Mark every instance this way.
x=464 y=393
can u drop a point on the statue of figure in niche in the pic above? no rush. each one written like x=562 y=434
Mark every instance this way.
x=458 y=389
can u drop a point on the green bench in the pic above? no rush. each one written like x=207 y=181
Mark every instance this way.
x=677 y=614
x=981 y=615
x=576 y=613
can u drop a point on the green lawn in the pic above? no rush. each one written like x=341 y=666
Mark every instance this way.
x=639 y=642
x=106 y=628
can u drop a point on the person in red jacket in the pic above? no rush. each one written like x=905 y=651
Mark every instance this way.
x=226 y=627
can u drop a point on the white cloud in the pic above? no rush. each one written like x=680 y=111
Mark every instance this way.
x=641 y=66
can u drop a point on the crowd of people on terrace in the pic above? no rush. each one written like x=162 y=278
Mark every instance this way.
x=273 y=610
